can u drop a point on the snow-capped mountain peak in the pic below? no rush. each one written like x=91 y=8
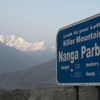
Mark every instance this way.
x=23 y=45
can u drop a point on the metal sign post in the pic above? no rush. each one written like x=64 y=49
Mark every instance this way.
x=76 y=88
x=98 y=90
x=78 y=54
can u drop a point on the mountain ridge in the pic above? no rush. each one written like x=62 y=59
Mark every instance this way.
x=24 y=45
x=43 y=75
x=17 y=59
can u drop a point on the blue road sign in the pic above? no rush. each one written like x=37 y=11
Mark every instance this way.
x=78 y=53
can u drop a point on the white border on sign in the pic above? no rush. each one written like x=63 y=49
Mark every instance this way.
x=68 y=26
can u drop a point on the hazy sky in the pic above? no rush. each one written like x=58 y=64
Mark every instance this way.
x=38 y=20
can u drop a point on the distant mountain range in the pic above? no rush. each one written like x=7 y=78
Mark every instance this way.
x=17 y=54
x=43 y=75
x=25 y=64
x=24 y=45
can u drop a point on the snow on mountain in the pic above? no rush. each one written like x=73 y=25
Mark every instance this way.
x=25 y=46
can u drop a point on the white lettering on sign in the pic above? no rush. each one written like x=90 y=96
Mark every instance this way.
x=69 y=56
x=85 y=52
x=90 y=52
x=90 y=74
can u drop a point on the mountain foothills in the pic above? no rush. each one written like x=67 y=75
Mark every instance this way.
x=39 y=76
x=17 y=54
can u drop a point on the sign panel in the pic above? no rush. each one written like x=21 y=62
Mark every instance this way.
x=78 y=53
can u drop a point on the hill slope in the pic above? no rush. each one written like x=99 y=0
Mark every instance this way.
x=43 y=75
x=12 y=59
